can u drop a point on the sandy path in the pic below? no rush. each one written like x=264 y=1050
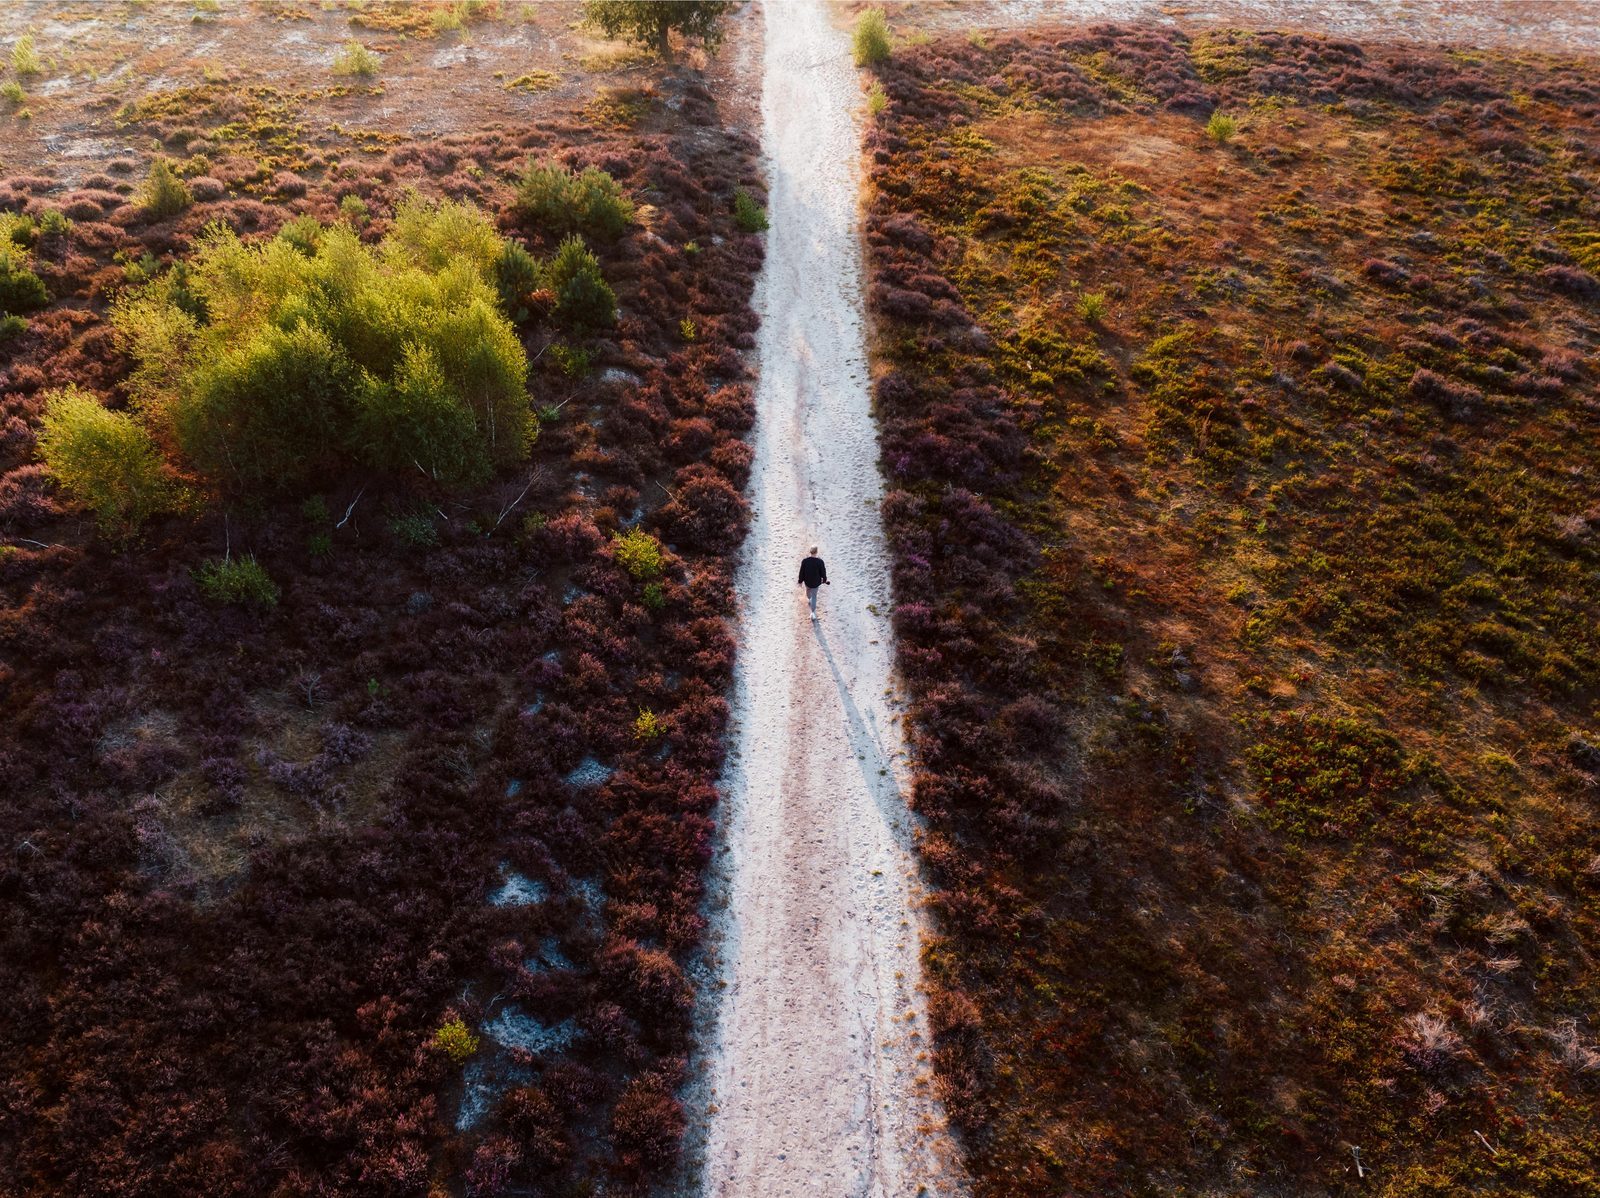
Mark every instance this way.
x=814 y=1069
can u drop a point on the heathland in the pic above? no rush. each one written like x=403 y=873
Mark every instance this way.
x=1240 y=419
x=370 y=470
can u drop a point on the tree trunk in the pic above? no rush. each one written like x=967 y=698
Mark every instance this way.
x=664 y=37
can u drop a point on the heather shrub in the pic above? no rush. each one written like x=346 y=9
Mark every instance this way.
x=355 y=59
x=750 y=216
x=871 y=40
x=163 y=193
x=236 y=580
x=561 y=201
x=102 y=459
x=262 y=366
x=646 y=1126
x=583 y=297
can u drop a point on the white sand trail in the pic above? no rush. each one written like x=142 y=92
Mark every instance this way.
x=815 y=1068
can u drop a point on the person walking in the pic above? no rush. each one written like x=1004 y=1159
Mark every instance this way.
x=813 y=574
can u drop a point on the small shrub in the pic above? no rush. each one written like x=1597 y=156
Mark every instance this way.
x=533 y=82
x=104 y=460
x=163 y=193
x=1221 y=127
x=354 y=209
x=877 y=98
x=304 y=233
x=1092 y=306
x=561 y=201
x=750 y=216
x=455 y=1039
x=12 y=90
x=647 y=726
x=516 y=277
x=574 y=363
x=12 y=326
x=355 y=59
x=54 y=223
x=871 y=42
x=654 y=596
x=583 y=297
x=20 y=289
x=639 y=554
x=25 y=59
x=236 y=580
x=416 y=530
x=687 y=330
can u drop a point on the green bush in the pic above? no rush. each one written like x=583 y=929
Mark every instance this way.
x=12 y=326
x=20 y=289
x=416 y=418
x=416 y=530
x=639 y=554
x=648 y=726
x=12 y=90
x=1221 y=127
x=303 y=232
x=583 y=298
x=236 y=580
x=355 y=59
x=1092 y=306
x=877 y=98
x=573 y=362
x=560 y=201
x=163 y=193
x=25 y=59
x=271 y=409
x=516 y=276
x=750 y=216
x=455 y=1040
x=102 y=459
x=872 y=44
x=266 y=365
x=354 y=209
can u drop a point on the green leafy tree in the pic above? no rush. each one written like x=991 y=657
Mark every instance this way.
x=262 y=366
x=651 y=23
x=104 y=460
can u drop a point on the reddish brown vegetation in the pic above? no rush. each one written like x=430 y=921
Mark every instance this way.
x=1248 y=551
x=246 y=853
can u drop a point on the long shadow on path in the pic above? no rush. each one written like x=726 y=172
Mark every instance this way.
x=866 y=746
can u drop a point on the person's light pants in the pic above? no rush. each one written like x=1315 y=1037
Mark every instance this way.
x=811 y=598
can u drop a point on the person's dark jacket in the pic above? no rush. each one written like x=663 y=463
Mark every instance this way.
x=812 y=572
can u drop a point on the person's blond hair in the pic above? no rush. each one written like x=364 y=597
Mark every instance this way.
x=813 y=551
